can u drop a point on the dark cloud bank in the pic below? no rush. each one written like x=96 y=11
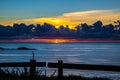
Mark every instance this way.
x=83 y=31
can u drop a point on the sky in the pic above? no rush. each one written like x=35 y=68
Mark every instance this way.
x=59 y=12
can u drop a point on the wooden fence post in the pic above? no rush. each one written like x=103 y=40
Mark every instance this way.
x=32 y=68
x=60 y=70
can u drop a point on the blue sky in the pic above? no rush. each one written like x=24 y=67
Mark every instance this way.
x=43 y=8
x=25 y=9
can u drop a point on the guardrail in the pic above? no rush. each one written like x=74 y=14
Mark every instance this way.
x=60 y=66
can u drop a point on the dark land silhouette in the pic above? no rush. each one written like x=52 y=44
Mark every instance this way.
x=19 y=48
x=83 y=31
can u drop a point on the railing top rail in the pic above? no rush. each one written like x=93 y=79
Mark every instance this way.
x=22 y=64
x=85 y=66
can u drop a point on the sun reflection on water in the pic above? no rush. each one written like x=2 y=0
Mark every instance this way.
x=57 y=40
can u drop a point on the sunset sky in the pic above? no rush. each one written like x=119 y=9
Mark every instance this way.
x=59 y=12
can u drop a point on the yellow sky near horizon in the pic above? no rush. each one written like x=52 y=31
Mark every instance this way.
x=73 y=18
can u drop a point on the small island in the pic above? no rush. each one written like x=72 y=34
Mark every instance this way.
x=19 y=48
x=1 y=48
x=24 y=48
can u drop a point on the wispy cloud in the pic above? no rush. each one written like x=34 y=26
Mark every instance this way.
x=87 y=13
x=74 y=18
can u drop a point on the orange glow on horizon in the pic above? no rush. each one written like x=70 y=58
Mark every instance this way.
x=42 y=40
x=56 y=41
x=52 y=40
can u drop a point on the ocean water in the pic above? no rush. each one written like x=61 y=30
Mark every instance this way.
x=105 y=53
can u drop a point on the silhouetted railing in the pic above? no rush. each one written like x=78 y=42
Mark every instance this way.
x=60 y=66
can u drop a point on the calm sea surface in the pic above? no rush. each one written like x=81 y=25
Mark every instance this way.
x=87 y=52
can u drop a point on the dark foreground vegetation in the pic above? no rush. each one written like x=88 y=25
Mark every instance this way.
x=18 y=74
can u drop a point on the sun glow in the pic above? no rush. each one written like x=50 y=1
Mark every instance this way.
x=60 y=41
x=57 y=21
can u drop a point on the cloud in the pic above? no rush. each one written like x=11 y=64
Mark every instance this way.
x=93 y=15
x=74 y=18
x=87 y=13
